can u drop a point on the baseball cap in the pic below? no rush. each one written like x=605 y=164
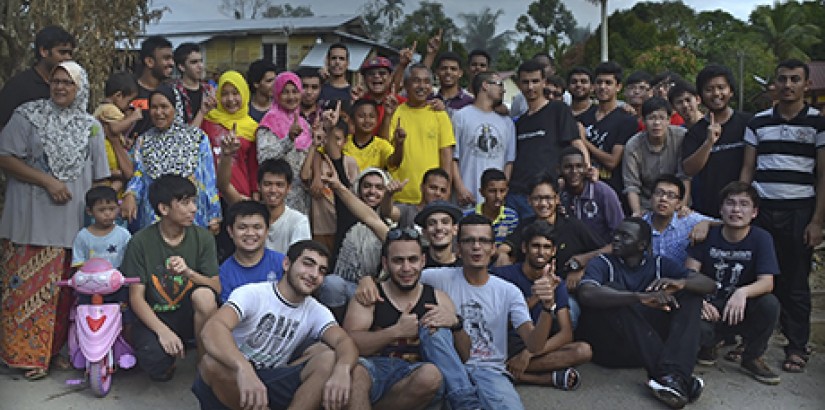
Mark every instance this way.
x=376 y=62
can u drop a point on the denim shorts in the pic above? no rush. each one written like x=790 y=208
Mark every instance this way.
x=385 y=372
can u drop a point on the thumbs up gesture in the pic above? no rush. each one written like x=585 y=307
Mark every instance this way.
x=545 y=287
x=407 y=325
x=295 y=130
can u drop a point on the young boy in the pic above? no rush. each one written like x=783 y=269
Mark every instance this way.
x=103 y=238
x=494 y=191
x=118 y=117
x=177 y=265
x=742 y=261
x=363 y=145
x=246 y=223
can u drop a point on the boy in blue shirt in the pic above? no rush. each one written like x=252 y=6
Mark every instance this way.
x=247 y=225
x=494 y=188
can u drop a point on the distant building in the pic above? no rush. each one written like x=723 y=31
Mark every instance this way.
x=289 y=42
x=816 y=92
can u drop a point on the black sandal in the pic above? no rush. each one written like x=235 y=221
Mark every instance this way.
x=561 y=378
x=795 y=362
x=735 y=354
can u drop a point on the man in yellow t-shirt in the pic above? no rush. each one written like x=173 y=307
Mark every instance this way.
x=423 y=138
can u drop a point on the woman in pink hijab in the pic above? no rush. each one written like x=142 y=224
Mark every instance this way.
x=284 y=134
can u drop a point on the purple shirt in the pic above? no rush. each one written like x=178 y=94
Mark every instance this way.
x=597 y=206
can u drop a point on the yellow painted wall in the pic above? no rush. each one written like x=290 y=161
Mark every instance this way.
x=220 y=57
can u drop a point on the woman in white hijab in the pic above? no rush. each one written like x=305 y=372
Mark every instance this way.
x=51 y=150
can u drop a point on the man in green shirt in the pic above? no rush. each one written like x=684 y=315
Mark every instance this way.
x=178 y=270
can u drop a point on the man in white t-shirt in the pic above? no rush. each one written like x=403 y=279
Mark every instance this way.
x=253 y=336
x=484 y=138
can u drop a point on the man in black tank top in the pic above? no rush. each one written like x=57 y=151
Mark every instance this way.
x=411 y=323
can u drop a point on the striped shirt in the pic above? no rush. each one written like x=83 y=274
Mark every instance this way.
x=786 y=155
x=504 y=224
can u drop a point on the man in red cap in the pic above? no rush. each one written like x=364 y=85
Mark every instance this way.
x=377 y=73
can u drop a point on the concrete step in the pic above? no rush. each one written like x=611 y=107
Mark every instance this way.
x=818 y=298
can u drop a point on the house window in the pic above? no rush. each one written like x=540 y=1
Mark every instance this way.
x=276 y=53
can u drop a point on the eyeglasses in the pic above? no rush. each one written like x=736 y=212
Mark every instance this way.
x=659 y=193
x=472 y=241
x=498 y=83
x=542 y=198
x=396 y=234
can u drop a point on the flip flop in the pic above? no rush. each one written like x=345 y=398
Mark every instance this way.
x=561 y=378
x=795 y=363
x=735 y=354
x=35 y=374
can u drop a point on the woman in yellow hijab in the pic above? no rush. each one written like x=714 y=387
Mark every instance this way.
x=232 y=115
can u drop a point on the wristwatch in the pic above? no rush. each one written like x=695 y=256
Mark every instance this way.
x=550 y=310
x=459 y=324
x=572 y=265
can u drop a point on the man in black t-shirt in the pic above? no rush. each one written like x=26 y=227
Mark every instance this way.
x=439 y=225
x=156 y=65
x=52 y=45
x=714 y=147
x=196 y=94
x=608 y=126
x=541 y=133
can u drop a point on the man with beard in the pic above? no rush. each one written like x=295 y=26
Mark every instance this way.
x=249 y=343
x=52 y=45
x=785 y=160
x=449 y=72
x=608 y=126
x=156 y=65
x=541 y=133
x=439 y=224
x=409 y=324
x=484 y=139
x=336 y=88
x=554 y=365
x=423 y=137
x=713 y=149
x=580 y=86
x=644 y=310
x=592 y=202
x=311 y=81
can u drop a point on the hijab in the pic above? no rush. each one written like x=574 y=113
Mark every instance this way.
x=279 y=120
x=245 y=125
x=174 y=150
x=64 y=131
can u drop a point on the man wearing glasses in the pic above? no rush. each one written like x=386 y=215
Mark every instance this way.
x=484 y=139
x=409 y=324
x=487 y=304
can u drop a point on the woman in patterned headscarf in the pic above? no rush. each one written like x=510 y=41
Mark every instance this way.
x=283 y=133
x=52 y=150
x=172 y=147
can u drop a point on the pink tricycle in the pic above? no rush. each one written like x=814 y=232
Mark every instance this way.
x=95 y=343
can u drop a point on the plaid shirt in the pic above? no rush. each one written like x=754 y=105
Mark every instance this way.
x=674 y=240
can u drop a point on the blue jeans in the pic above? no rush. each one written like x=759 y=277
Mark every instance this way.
x=385 y=372
x=495 y=388
x=438 y=348
x=520 y=204
x=335 y=291
x=575 y=310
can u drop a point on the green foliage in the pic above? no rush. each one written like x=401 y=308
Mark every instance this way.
x=668 y=57
x=783 y=29
x=286 y=10
x=380 y=15
x=422 y=24
x=479 y=32
x=546 y=27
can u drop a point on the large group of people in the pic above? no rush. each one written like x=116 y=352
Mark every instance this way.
x=382 y=243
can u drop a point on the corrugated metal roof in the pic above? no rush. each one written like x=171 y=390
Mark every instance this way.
x=817 y=76
x=227 y=26
x=318 y=54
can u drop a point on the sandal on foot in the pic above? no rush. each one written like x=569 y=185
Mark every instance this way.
x=35 y=374
x=59 y=362
x=735 y=354
x=795 y=363
x=561 y=379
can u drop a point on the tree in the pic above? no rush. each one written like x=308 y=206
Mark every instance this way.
x=243 y=9
x=668 y=57
x=546 y=28
x=380 y=15
x=423 y=23
x=100 y=32
x=286 y=10
x=479 y=32
x=783 y=30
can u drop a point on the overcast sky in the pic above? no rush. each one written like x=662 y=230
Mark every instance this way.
x=585 y=12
